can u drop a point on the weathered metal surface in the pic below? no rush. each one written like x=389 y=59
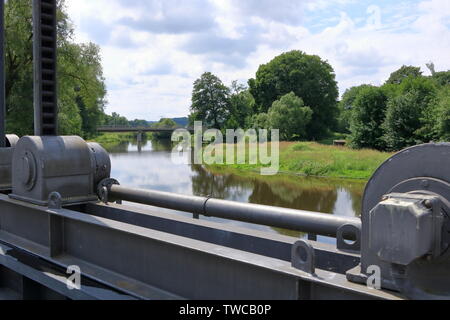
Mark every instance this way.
x=44 y=61
x=6 y=162
x=420 y=173
x=68 y=165
x=143 y=262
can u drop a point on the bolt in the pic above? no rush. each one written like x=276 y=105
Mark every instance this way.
x=428 y=204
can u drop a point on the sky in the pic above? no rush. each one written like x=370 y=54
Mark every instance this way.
x=154 y=50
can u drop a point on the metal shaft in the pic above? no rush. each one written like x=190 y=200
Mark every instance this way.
x=2 y=76
x=311 y=222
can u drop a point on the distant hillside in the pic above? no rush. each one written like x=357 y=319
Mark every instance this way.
x=183 y=122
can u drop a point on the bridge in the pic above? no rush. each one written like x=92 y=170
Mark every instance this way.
x=140 y=129
x=62 y=214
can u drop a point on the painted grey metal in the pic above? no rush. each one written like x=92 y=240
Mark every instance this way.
x=150 y=264
x=67 y=165
x=2 y=77
x=101 y=163
x=6 y=162
x=419 y=225
x=22 y=278
x=420 y=172
x=44 y=61
x=312 y=222
x=262 y=243
x=304 y=257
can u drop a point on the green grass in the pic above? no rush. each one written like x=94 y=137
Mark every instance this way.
x=336 y=136
x=314 y=159
x=109 y=140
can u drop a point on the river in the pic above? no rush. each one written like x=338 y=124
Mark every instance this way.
x=150 y=166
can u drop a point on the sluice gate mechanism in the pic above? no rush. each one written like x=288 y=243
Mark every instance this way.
x=60 y=211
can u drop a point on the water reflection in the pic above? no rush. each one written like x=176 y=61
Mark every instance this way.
x=150 y=166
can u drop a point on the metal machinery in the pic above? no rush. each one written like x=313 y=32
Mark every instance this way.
x=59 y=208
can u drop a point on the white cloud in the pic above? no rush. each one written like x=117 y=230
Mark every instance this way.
x=154 y=50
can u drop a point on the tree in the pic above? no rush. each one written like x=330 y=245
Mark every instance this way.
x=442 y=78
x=260 y=121
x=437 y=119
x=404 y=72
x=309 y=78
x=210 y=101
x=115 y=120
x=290 y=116
x=81 y=88
x=443 y=119
x=403 y=121
x=346 y=106
x=164 y=123
x=242 y=106
x=368 y=117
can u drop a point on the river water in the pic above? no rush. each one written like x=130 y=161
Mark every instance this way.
x=150 y=166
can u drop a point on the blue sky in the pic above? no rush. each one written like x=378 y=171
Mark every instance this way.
x=153 y=50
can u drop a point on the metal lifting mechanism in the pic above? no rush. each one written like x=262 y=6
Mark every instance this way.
x=406 y=223
x=60 y=210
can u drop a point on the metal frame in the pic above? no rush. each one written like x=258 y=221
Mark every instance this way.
x=203 y=260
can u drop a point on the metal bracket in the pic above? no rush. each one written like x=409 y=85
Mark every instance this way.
x=304 y=257
x=103 y=189
x=342 y=234
x=55 y=201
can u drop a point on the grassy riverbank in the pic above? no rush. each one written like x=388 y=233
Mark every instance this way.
x=108 y=140
x=313 y=159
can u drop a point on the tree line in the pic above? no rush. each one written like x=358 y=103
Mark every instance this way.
x=298 y=94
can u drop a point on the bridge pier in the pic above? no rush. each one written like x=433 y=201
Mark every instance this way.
x=139 y=140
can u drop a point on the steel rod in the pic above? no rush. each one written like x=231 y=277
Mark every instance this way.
x=304 y=221
x=2 y=77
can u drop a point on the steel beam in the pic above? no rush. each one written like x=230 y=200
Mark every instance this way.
x=150 y=264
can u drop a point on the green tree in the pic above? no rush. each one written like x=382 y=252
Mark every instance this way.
x=346 y=106
x=444 y=123
x=115 y=120
x=260 y=121
x=81 y=88
x=441 y=119
x=290 y=116
x=425 y=91
x=442 y=78
x=368 y=116
x=403 y=121
x=309 y=77
x=164 y=124
x=404 y=72
x=241 y=107
x=210 y=101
